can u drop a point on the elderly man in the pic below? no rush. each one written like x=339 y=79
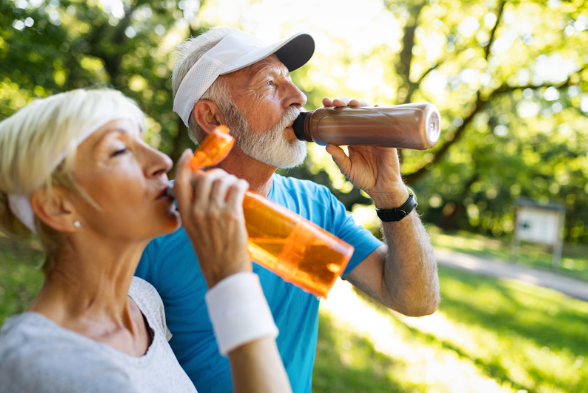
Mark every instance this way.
x=226 y=76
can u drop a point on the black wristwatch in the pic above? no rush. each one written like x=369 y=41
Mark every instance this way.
x=397 y=214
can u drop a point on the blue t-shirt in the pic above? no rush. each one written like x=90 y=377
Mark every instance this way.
x=170 y=265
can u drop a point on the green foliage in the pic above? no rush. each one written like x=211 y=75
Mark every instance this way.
x=20 y=279
x=61 y=45
x=510 y=80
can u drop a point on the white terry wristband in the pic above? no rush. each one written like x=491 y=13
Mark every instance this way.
x=239 y=312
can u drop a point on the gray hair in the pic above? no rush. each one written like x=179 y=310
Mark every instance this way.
x=189 y=52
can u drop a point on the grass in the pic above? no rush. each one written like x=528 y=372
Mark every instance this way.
x=348 y=362
x=488 y=335
x=574 y=261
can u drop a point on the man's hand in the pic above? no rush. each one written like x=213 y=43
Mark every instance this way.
x=374 y=169
x=402 y=275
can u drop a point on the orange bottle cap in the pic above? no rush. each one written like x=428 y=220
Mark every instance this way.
x=213 y=149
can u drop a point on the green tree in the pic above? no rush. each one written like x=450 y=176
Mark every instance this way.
x=510 y=80
x=509 y=77
x=53 y=46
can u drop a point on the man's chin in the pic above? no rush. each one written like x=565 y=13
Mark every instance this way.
x=278 y=150
x=298 y=155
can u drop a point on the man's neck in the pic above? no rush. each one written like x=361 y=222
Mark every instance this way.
x=258 y=174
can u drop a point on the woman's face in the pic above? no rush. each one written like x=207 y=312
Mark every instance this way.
x=127 y=178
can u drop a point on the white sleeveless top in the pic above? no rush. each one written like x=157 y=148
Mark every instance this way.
x=37 y=355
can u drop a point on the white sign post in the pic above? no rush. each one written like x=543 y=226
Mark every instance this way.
x=539 y=224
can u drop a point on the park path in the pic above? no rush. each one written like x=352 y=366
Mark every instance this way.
x=490 y=267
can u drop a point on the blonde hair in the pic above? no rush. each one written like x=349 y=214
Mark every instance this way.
x=38 y=147
x=189 y=52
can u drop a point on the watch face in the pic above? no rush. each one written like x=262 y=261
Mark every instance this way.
x=412 y=192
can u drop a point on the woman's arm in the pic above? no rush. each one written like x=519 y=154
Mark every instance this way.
x=211 y=207
x=257 y=367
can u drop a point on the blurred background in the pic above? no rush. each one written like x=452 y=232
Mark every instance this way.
x=511 y=81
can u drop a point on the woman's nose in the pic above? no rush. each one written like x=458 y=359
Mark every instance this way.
x=158 y=163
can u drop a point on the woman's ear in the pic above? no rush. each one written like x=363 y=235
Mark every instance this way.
x=54 y=209
x=208 y=115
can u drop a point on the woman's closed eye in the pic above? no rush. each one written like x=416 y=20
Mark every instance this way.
x=119 y=152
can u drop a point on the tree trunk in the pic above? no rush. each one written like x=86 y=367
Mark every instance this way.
x=448 y=222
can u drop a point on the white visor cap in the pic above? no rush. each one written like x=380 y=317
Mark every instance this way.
x=237 y=50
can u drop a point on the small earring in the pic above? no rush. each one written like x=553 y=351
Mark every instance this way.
x=77 y=224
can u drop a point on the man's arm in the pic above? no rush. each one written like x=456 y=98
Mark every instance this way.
x=403 y=274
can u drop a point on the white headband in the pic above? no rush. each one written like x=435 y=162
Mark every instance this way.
x=20 y=204
x=234 y=52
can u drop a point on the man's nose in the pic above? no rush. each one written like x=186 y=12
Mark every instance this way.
x=295 y=96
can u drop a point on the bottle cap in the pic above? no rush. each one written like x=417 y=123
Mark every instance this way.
x=298 y=127
x=433 y=125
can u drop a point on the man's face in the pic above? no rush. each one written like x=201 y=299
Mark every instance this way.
x=265 y=104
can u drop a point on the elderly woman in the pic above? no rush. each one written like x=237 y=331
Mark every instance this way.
x=74 y=170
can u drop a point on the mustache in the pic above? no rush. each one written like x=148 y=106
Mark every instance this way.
x=291 y=114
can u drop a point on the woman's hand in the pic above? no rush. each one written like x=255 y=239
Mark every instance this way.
x=211 y=208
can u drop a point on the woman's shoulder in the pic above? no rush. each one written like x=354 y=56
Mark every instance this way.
x=30 y=327
x=143 y=290
x=38 y=355
x=149 y=302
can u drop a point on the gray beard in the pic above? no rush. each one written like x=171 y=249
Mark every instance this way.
x=269 y=147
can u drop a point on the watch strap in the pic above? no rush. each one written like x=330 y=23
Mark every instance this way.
x=398 y=213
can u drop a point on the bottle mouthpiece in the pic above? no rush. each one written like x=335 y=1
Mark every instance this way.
x=298 y=127
x=170 y=191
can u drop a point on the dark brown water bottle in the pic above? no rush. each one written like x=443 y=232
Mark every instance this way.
x=409 y=126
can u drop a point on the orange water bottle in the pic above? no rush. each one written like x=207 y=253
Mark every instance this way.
x=294 y=248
